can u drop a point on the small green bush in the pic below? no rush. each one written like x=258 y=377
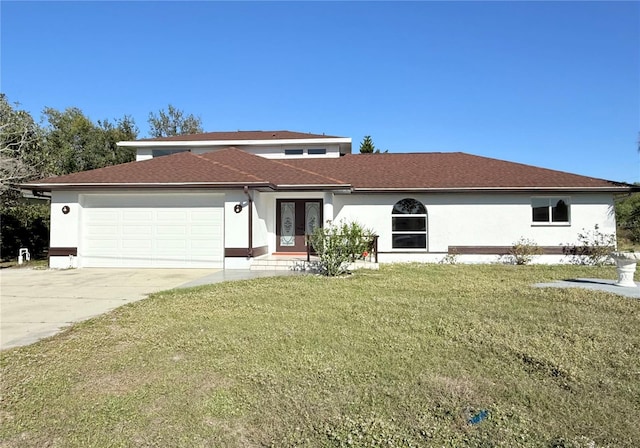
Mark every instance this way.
x=337 y=245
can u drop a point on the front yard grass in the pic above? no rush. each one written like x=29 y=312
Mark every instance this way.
x=404 y=356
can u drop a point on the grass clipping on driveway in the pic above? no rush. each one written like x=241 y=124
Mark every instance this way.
x=411 y=355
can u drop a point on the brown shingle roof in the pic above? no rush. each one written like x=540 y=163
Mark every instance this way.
x=444 y=171
x=419 y=171
x=239 y=135
x=224 y=167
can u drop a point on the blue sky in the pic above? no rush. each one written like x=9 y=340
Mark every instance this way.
x=552 y=84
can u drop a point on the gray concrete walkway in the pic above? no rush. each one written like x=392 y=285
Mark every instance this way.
x=594 y=284
x=37 y=303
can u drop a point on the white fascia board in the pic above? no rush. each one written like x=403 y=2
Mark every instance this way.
x=314 y=186
x=60 y=186
x=199 y=143
x=494 y=189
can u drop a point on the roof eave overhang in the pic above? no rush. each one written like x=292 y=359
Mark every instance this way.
x=343 y=188
x=612 y=189
x=204 y=143
x=164 y=185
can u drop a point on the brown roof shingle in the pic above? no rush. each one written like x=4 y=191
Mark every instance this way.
x=444 y=171
x=366 y=172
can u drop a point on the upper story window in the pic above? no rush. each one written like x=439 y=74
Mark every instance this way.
x=166 y=152
x=293 y=152
x=409 y=225
x=316 y=151
x=550 y=210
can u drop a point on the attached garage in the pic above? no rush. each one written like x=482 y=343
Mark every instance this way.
x=152 y=230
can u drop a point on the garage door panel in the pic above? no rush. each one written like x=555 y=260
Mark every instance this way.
x=153 y=232
x=171 y=230
x=137 y=231
x=170 y=246
x=137 y=215
x=99 y=216
x=213 y=217
x=132 y=244
x=101 y=230
x=172 y=216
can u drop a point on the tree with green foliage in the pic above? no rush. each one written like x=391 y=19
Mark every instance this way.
x=367 y=146
x=628 y=217
x=74 y=143
x=70 y=142
x=173 y=122
x=22 y=223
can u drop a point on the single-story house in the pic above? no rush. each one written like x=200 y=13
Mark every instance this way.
x=225 y=199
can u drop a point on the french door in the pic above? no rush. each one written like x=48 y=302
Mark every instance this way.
x=296 y=218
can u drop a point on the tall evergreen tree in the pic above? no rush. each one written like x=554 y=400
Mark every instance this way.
x=366 y=146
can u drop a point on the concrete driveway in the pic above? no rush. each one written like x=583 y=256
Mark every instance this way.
x=38 y=303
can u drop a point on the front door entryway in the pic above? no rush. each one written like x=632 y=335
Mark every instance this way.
x=296 y=218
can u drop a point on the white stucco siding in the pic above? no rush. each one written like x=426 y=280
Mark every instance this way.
x=278 y=152
x=64 y=227
x=260 y=213
x=477 y=219
x=236 y=224
x=269 y=152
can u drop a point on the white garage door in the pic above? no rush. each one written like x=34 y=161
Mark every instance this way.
x=152 y=231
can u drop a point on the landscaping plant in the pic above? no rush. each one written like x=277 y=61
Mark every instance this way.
x=338 y=245
x=524 y=251
x=593 y=248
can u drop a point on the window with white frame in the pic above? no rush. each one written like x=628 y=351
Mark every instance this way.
x=550 y=210
x=409 y=225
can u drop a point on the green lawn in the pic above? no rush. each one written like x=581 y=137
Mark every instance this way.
x=404 y=356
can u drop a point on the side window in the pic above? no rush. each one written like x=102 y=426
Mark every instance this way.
x=550 y=210
x=409 y=225
x=166 y=152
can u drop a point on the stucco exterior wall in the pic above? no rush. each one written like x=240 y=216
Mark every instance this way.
x=269 y=152
x=475 y=220
x=65 y=228
x=260 y=213
x=452 y=220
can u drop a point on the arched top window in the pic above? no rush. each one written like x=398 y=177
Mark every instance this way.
x=409 y=225
x=409 y=206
